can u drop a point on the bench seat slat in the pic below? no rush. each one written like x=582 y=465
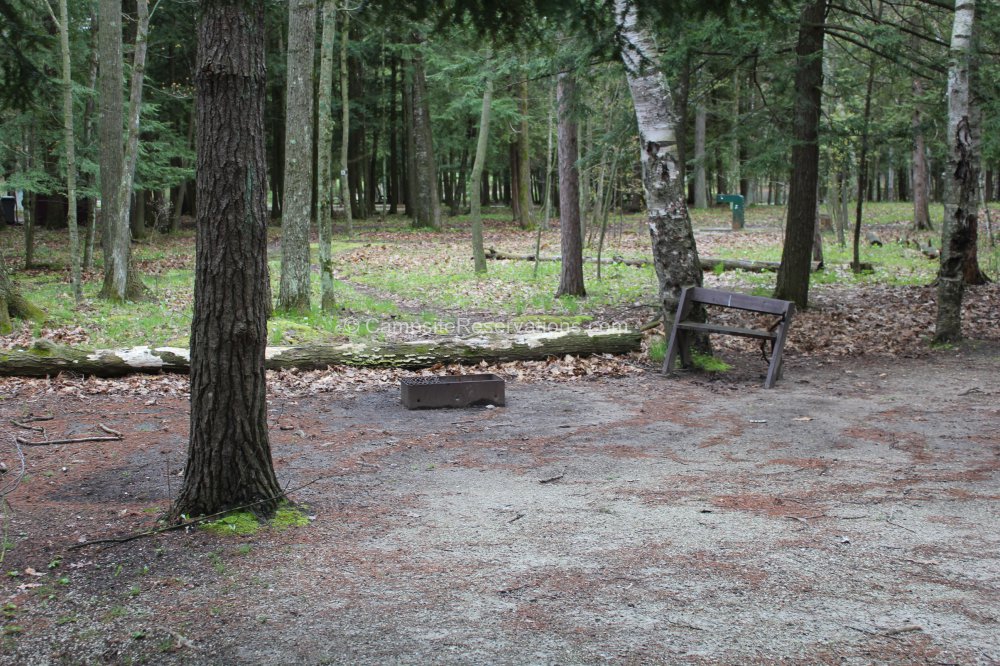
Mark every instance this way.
x=739 y=301
x=727 y=330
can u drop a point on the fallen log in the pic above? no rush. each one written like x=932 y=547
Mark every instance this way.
x=45 y=359
x=707 y=263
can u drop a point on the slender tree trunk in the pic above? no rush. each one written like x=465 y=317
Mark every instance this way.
x=863 y=167
x=700 y=181
x=958 y=232
x=571 y=275
x=13 y=304
x=70 y=140
x=675 y=255
x=294 y=291
x=324 y=153
x=548 y=169
x=175 y=219
x=921 y=212
x=393 y=179
x=345 y=120
x=229 y=457
x=88 y=133
x=523 y=159
x=482 y=141
x=793 y=277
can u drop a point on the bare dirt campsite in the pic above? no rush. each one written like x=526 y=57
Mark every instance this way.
x=606 y=513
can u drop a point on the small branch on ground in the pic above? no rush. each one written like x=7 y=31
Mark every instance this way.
x=19 y=424
x=110 y=431
x=76 y=440
x=551 y=479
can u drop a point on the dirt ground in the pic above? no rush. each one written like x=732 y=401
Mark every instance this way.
x=848 y=516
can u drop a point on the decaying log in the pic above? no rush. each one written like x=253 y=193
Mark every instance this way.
x=707 y=263
x=47 y=359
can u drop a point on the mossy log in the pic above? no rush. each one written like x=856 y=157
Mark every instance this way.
x=707 y=263
x=45 y=359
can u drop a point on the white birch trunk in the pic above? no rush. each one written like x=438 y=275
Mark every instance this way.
x=675 y=255
x=961 y=205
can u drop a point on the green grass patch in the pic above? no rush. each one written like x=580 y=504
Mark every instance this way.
x=708 y=363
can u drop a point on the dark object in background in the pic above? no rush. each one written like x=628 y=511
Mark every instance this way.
x=8 y=206
x=452 y=391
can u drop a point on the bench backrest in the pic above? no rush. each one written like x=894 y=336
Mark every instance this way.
x=740 y=301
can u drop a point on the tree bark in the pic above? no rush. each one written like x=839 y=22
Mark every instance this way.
x=110 y=138
x=958 y=233
x=793 y=277
x=229 y=456
x=294 y=290
x=324 y=170
x=675 y=255
x=571 y=275
x=427 y=205
x=482 y=141
x=46 y=359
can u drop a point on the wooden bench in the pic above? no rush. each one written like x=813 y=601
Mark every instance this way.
x=684 y=330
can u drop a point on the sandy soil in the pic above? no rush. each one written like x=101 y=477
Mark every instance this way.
x=848 y=516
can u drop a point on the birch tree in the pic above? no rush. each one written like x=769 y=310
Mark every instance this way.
x=293 y=294
x=961 y=201
x=675 y=255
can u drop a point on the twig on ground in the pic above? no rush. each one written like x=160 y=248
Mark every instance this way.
x=902 y=630
x=515 y=518
x=902 y=527
x=19 y=424
x=110 y=431
x=76 y=440
x=551 y=479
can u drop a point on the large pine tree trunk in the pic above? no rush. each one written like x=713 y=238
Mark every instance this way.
x=427 y=205
x=675 y=255
x=109 y=37
x=293 y=294
x=571 y=275
x=229 y=457
x=958 y=234
x=324 y=154
x=793 y=277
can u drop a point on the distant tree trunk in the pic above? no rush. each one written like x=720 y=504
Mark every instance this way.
x=700 y=182
x=88 y=135
x=959 y=231
x=276 y=178
x=523 y=160
x=393 y=176
x=921 y=212
x=675 y=255
x=175 y=219
x=294 y=291
x=229 y=457
x=425 y=180
x=409 y=145
x=571 y=276
x=345 y=120
x=324 y=170
x=863 y=166
x=793 y=277
x=482 y=141
x=70 y=140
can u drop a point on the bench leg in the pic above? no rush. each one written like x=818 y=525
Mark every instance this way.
x=671 y=355
x=677 y=338
x=774 y=369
